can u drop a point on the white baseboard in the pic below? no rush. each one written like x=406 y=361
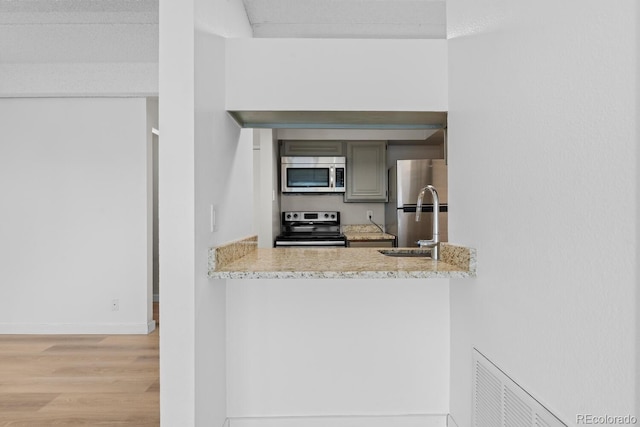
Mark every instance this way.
x=439 y=420
x=77 y=328
x=151 y=326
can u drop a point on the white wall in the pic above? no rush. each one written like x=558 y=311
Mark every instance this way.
x=223 y=155
x=73 y=233
x=333 y=347
x=543 y=170
x=152 y=201
x=51 y=50
x=637 y=304
x=176 y=214
x=332 y=74
x=353 y=347
x=153 y=139
x=267 y=207
x=204 y=160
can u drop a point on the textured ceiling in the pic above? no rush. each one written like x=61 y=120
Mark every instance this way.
x=347 y=18
x=269 y=18
x=78 y=31
x=28 y=12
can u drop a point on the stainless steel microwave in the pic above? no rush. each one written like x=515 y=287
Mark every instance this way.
x=313 y=174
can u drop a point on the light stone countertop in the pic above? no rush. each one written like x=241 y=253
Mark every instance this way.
x=337 y=263
x=362 y=232
x=352 y=236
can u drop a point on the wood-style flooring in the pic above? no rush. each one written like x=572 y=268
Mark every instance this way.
x=79 y=380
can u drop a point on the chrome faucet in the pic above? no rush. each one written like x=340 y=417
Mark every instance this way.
x=434 y=243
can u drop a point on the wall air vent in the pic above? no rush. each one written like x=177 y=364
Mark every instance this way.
x=499 y=402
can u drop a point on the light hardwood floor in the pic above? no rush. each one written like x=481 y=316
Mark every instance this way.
x=79 y=380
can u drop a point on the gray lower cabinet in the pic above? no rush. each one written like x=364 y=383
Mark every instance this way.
x=366 y=171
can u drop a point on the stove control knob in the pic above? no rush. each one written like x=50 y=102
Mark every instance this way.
x=333 y=216
x=295 y=215
x=327 y=215
x=288 y=216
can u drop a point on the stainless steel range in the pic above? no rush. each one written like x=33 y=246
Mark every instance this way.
x=305 y=229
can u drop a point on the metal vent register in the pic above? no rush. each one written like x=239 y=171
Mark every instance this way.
x=499 y=401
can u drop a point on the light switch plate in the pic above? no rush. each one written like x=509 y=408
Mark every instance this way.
x=213 y=220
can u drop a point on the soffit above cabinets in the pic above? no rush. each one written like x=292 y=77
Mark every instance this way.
x=408 y=19
x=436 y=137
x=341 y=119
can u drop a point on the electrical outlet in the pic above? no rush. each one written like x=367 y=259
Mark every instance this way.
x=115 y=305
x=369 y=215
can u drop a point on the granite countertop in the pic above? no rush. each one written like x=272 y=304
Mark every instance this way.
x=365 y=232
x=243 y=260
x=351 y=236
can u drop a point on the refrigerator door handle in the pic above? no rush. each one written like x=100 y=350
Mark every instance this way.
x=425 y=208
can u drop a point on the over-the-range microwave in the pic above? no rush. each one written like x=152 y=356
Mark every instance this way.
x=313 y=174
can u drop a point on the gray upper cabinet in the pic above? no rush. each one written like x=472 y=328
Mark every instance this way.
x=366 y=171
x=312 y=148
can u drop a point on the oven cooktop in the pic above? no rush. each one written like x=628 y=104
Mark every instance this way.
x=310 y=228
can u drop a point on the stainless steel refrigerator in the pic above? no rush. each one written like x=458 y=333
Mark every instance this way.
x=406 y=179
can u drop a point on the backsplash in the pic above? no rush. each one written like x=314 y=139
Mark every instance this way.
x=350 y=213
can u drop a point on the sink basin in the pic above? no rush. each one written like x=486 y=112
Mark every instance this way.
x=407 y=253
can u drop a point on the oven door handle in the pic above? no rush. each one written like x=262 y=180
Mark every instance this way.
x=305 y=228
x=308 y=243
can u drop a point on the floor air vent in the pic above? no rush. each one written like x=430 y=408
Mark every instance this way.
x=500 y=402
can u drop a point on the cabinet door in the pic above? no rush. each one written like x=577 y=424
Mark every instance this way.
x=312 y=148
x=366 y=171
x=370 y=244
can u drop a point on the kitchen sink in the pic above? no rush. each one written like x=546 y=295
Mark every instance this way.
x=407 y=253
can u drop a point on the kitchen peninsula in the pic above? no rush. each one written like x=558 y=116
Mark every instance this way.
x=244 y=260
